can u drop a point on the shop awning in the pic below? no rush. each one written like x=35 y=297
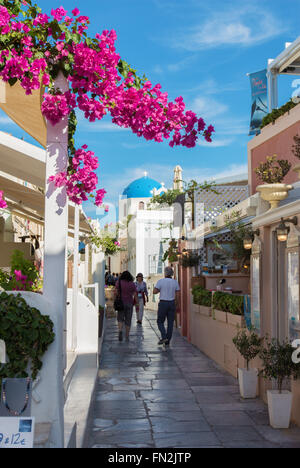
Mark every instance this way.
x=30 y=203
x=25 y=110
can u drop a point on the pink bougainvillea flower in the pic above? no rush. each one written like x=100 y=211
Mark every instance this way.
x=3 y=203
x=75 y=12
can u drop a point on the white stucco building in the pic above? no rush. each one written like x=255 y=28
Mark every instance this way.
x=147 y=229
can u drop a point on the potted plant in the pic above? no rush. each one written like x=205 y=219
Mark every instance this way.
x=249 y=345
x=228 y=308
x=296 y=153
x=27 y=334
x=272 y=172
x=278 y=366
x=202 y=297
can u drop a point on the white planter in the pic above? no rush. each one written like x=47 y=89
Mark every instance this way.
x=274 y=193
x=280 y=408
x=248 y=382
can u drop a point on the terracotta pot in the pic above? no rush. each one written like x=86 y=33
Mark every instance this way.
x=274 y=193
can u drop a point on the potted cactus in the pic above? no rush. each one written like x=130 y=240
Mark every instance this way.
x=249 y=345
x=272 y=172
x=278 y=366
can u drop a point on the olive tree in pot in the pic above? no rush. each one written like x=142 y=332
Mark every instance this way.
x=271 y=173
x=278 y=366
x=249 y=345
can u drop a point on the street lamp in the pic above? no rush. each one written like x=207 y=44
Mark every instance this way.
x=283 y=230
x=248 y=241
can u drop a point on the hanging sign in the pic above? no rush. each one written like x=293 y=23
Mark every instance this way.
x=259 y=107
x=16 y=432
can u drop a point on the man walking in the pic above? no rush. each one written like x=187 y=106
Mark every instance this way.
x=168 y=288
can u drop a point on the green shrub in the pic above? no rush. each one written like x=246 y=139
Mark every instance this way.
x=276 y=113
x=248 y=343
x=27 y=335
x=201 y=296
x=228 y=303
x=277 y=362
x=9 y=282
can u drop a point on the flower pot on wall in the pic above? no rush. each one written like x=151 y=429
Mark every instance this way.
x=274 y=193
x=280 y=407
x=248 y=380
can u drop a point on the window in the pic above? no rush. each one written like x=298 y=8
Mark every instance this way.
x=141 y=205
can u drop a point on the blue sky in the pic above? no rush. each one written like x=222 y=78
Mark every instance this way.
x=199 y=50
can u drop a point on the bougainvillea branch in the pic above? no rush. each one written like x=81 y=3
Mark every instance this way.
x=3 y=203
x=36 y=47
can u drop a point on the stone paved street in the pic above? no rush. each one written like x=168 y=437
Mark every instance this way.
x=146 y=397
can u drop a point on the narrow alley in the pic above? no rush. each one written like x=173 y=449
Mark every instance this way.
x=147 y=397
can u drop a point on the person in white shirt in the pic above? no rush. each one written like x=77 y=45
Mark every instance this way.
x=168 y=288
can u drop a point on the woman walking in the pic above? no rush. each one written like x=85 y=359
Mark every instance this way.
x=126 y=289
x=142 y=292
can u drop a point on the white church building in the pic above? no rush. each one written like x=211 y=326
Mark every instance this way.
x=146 y=229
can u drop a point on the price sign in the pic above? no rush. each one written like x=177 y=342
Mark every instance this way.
x=16 y=432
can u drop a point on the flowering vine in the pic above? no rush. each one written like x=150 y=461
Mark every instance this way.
x=3 y=203
x=36 y=47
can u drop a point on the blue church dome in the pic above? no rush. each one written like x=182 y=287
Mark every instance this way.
x=141 y=188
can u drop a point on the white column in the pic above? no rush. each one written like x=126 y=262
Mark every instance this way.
x=75 y=279
x=272 y=90
x=55 y=286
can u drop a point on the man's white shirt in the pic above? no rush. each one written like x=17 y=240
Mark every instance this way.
x=167 y=288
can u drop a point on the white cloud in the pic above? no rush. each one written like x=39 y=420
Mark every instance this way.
x=208 y=107
x=102 y=126
x=245 y=25
x=216 y=143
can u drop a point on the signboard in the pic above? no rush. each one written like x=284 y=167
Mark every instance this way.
x=16 y=432
x=259 y=106
x=255 y=306
x=293 y=295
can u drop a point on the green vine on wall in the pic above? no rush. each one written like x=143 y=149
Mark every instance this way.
x=27 y=335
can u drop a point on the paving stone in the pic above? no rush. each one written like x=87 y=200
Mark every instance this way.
x=123 y=425
x=121 y=439
x=180 y=416
x=157 y=396
x=114 y=395
x=227 y=418
x=165 y=424
x=237 y=434
x=184 y=440
x=205 y=398
x=170 y=384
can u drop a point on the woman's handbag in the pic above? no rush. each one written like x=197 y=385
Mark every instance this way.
x=118 y=304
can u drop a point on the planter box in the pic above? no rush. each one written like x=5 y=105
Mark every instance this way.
x=248 y=380
x=205 y=311
x=195 y=308
x=220 y=315
x=280 y=408
x=236 y=320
